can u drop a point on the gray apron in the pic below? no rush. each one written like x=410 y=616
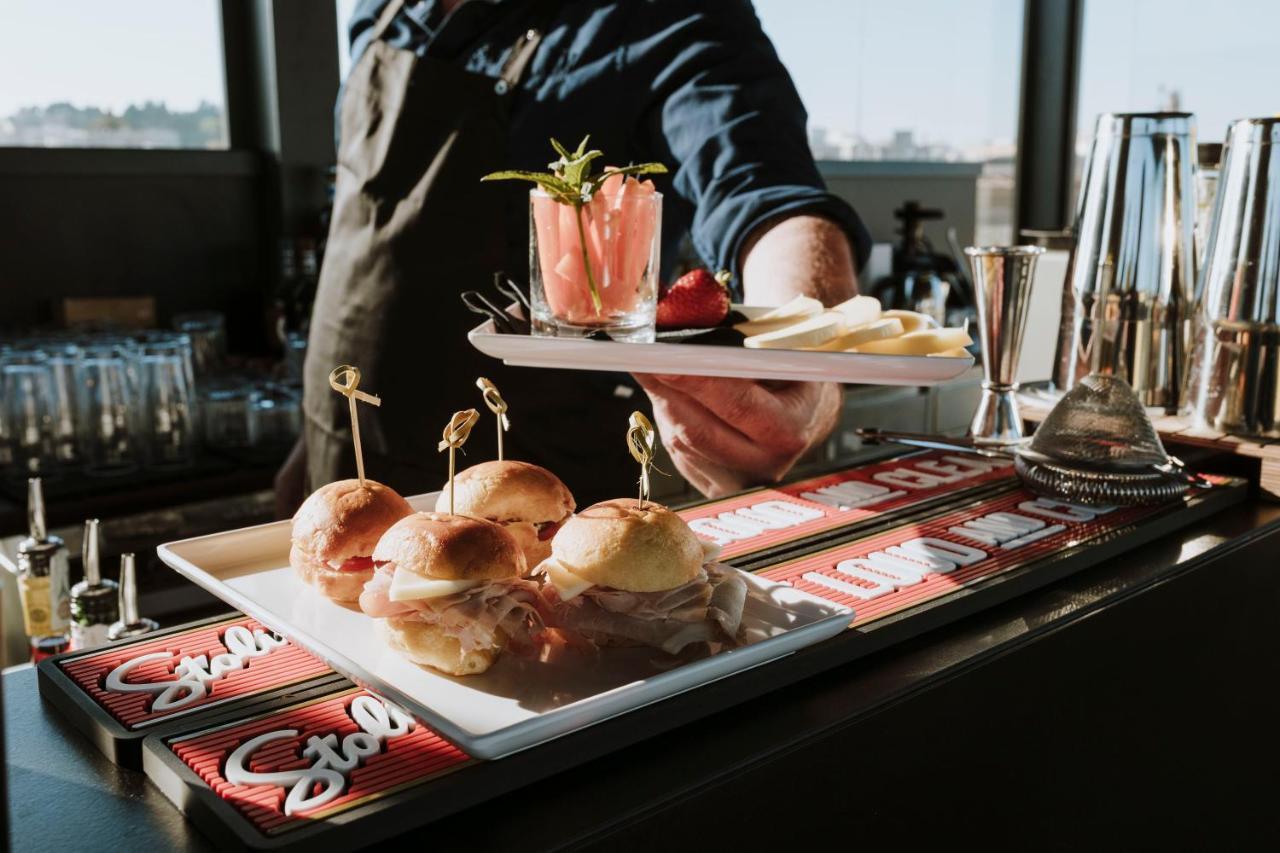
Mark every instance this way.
x=412 y=227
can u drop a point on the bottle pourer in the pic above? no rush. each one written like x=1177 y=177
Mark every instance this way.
x=95 y=602
x=36 y=553
x=131 y=624
x=42 y=579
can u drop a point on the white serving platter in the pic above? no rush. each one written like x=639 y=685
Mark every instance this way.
x=518 y=703
x=715 y=360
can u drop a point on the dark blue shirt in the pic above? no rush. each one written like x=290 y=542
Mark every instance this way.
x=694 y=85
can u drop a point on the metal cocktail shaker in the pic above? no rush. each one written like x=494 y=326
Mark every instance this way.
x=1002 y=278
x=1126 y=305
x=1235 y=378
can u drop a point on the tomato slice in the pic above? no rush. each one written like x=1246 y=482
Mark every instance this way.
x=357 y=564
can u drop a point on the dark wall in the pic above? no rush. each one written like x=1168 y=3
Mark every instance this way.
x=187 y=227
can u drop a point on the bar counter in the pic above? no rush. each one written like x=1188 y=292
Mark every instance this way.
x=1129 y=704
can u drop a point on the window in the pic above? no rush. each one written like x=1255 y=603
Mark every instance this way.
x=912 y=80
x=89 y=74
x=1220 y=62
x=345 y=9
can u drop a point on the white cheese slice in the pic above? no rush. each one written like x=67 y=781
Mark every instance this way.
x=812 y=332
x=860 y=335
x=799 y=308
x=921 y=342
x=407 y=586
x=567 y=584
x=859 y=310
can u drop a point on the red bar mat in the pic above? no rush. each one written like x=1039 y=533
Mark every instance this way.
x=118 y=693
x=789 y=516
x=919 y=562
x=331 y=761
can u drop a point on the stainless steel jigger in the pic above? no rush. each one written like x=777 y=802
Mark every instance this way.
x=1002 y=277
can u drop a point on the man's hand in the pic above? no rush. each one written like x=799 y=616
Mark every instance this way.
x=728 y=434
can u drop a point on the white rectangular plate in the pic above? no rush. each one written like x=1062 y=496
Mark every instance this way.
x=713 y=360
x=518 y=703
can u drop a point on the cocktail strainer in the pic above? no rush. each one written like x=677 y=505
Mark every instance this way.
x=1097 y=447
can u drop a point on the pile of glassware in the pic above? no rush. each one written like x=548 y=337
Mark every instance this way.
x=112 y=403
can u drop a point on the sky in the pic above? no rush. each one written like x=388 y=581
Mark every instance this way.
x=946 y=68
x=109 y=53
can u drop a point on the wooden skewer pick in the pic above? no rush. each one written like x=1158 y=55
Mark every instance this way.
x=642 y=442
x=345 y=379
x=455 y=435
x=497 y=405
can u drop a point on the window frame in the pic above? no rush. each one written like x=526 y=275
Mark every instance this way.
x=1051 y=46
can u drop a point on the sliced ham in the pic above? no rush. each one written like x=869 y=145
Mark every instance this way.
x=376 y=601
x=708 y=609
x=475 y=617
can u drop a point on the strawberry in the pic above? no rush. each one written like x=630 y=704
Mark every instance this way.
x=696 y=300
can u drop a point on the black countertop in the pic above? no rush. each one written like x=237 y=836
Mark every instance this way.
x=1131 y=704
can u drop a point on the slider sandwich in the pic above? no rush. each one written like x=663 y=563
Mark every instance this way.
x=448 y=592
x=528 y=500
x=622 y=575
x=335 y=531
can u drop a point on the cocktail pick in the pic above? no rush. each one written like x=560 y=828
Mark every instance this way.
x=642 y=441
x=345 y=379
x=497 y=405
x=455 y=435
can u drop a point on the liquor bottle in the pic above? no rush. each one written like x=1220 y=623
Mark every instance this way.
x=94 y=601
x=130 y=623
x=43 y=580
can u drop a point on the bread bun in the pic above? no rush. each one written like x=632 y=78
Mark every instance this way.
x=508 y=491
x=526 y=535
x=426 y=645
x=340 y=585
x=451 y=547
x=517 y=495
x=617 y=544
x=344 y=519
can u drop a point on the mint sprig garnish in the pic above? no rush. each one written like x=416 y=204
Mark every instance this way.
x=570 y=182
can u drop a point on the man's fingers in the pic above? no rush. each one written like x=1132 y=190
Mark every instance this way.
x=708 y=477
x=681 y=416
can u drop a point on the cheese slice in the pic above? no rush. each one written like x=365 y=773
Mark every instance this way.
x=921 y=342
x=567 y=584
x=912 y=321
x=812 y=332
x=958 y=352
x=859 y=335
x=408 y=586
x=859 y=310
x=800 y=308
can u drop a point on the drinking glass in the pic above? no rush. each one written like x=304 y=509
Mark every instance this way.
x=168 y=428
x=64 y=367
x=28 y=395
x=225 y=405
x=595 y=268
x=275 y=416
x=295 y=354
x=107 y=399
x=208 y=336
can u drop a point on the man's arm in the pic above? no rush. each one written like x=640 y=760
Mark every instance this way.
x=727 y=434
x=724 y=111
x=798 y=256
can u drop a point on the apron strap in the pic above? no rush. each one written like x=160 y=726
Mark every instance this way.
x=389 y=13
x=526 y=45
